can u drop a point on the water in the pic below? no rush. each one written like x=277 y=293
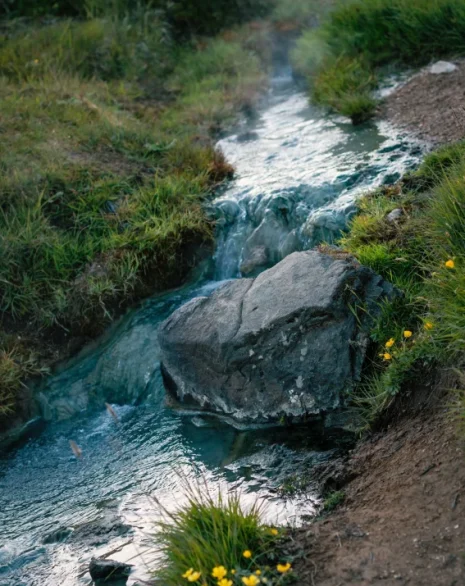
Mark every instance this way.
x=299 y=175
x=299 y=172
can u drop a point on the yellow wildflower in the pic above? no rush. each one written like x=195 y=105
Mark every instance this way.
x=233 y=572
x=450 y=264
x=408 y=334
x=390 y=343
x=251 y=580
x=36 y=61
x=219 y=572
x=429 y=325
x=387 y=356
x=258 y=572
x=283 y=568
x=225 y=582
x=194 y=576
x=247 y=554
x=274 y=531
x=188 y=573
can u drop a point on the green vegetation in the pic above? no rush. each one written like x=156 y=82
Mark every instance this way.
x=359 y=36
x=345 y=85
x=299 y=13
x=333 y=500
x=213 y=540
x=184 y=17
x=108 y=127
x=423 y=254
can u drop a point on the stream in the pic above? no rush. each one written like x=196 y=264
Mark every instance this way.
x=299 y=172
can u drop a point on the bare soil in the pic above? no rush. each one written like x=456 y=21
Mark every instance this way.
x=403 y=519
x=430 y=105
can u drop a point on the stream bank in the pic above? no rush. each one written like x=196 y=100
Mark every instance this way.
x=402 y=520
x=305 y=163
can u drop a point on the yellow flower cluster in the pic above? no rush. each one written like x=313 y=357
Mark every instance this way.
x=221 y=573
x=390 y=343
x=191 y=575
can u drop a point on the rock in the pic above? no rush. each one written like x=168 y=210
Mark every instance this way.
x=283 y=344
x=442 y=67
x=257 y=258
x=394 y=216
x=108 y=570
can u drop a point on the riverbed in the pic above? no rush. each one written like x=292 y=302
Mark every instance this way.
x=299 y=172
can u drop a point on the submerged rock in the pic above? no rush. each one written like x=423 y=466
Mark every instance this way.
x=286 y=343
x=108 y=570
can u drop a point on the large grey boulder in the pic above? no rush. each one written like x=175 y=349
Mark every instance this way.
x=285 y=343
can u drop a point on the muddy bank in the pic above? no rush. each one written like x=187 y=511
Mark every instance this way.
x=431 y=105
x=403 y=519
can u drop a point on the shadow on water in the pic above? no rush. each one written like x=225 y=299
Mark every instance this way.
x=298 y=174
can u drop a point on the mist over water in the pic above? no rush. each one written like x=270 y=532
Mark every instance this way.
x=299 y=172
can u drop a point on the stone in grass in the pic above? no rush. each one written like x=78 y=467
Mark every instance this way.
x=108 y=570
x=290 y=342
x=442 y=67
x=394 y=216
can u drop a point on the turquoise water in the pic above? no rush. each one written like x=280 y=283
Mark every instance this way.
x=299 y=172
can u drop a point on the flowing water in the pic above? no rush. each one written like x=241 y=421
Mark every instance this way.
x=298 y=174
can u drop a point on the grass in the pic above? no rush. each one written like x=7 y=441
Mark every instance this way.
x=333 y=500
x=375 y=33
x=345 y=85
x=299 y=13
x=412 y=254
x=216 y=532
x=107 y=155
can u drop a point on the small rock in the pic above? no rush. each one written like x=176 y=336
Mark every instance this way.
x=108 y=570
x=394 y=216
x=442 y=67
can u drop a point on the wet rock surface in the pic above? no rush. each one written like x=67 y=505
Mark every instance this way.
x=284 y=344
x=109 y=571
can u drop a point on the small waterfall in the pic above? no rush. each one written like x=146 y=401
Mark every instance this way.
x=298 y=174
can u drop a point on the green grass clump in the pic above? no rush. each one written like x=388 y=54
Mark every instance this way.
x=375 y=33
x=333 y=500
x=423 y=255
x=107 y=156
x=214 y=538
x=407 y=31
x=345 y=86
x=130 y=49
x=299 y=13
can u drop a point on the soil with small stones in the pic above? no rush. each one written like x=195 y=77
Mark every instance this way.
x=403 y=519
x=430 y=105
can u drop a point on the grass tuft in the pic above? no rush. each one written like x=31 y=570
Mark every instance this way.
x=215 y=532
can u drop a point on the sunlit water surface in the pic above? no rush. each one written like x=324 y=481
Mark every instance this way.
x=298 y=174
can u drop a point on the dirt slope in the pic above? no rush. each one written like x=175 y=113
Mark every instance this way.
x=403 y=521
x=430 y=105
